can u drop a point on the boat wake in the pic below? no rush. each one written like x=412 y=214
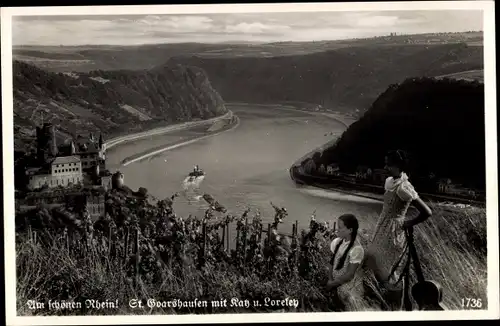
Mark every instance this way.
x=192 y=183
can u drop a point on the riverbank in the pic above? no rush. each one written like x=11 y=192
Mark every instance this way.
x=367 y=190
x=186 y=137
x=345 y=121
x=167 y=129
x=362 y=190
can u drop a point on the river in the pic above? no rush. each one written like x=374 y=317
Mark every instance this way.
x=246 y=167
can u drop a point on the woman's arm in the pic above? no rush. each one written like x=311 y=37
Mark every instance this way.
x=424 y=213
x=344 y=278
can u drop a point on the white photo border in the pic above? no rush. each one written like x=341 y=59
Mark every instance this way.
x=491 y=162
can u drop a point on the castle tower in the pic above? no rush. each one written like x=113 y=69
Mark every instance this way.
x=39 y=144
x=96 y=170
x=46 y=143
x=53 y=142
x=117 y=180
x=72 y=148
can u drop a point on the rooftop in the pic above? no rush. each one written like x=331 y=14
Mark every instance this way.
x=91 y=147
x=66 y=159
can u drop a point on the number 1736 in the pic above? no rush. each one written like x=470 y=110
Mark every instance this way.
x=471 y=303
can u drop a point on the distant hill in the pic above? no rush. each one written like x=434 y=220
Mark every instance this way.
x=85 y=58
x=112 y=102
x=440 y=123
x=344 y=79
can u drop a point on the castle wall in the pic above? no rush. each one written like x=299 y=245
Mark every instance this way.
x=106 y=182
x=95 y=206
x=38 y=180
x=90 y=160
x=65 y=180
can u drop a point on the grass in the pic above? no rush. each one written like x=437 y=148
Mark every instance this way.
x=452 y=248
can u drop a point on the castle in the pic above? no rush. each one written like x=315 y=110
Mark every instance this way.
x=81 y=161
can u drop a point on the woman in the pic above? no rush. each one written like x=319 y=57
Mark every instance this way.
x=388 y=240
x=348 y=254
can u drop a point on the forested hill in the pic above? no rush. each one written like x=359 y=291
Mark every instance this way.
x=111 y=102
x=440 y=123
x=346 y=79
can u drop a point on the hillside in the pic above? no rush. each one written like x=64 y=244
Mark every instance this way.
x=112 y=102
x=344 y=79
x=176 y=260
x=440 y=123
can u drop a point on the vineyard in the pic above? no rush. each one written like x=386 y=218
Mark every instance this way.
x=142 y=249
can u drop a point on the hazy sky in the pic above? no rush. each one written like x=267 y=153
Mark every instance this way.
x=241 y=27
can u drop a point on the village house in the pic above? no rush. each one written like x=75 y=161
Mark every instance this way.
x=332 y=169
x=363 y=172
x=379 y=175
x=444 y=185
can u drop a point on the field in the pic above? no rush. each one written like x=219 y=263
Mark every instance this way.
x=143 y=250
x=105 y=57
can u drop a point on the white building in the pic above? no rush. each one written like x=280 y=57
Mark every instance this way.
x=66 y=170
x=63 y=171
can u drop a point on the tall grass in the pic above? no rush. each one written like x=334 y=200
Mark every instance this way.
x=179 y=258
x=452 y=250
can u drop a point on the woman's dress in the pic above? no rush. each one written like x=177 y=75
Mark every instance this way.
x=388 y=241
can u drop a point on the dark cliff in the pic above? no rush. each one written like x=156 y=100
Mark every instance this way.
x=343 y=79
x=439 y=123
